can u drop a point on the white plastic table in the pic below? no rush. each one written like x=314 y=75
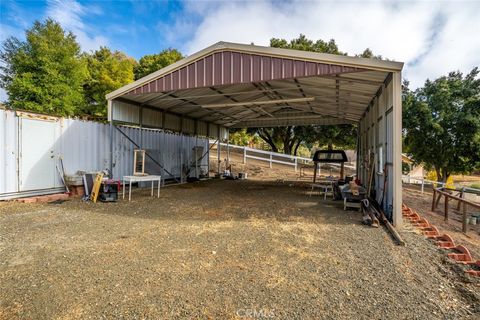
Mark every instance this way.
x=326 y=186
x=131 y=179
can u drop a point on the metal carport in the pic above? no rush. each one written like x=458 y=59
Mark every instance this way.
x=231 y=85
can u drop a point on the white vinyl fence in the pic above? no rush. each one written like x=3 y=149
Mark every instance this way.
x=270 y=156
x=425 y=182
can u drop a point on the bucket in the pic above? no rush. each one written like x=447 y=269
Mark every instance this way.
x=242 y=175
x=473 y=220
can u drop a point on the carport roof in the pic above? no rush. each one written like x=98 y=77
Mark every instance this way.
x=238 y=85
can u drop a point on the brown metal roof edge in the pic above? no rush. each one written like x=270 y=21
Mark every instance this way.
x=356 y=62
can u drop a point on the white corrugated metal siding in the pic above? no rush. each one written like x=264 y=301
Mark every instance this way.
x=8 y=152
x=85 y=146
x=125 y=112
x=151 y=118
x=202 y=128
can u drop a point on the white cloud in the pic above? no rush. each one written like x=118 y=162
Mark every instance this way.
x=432 y=38
x=7 y=31
x=70 y=14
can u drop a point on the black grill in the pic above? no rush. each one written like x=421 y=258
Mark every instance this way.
x=330 y=156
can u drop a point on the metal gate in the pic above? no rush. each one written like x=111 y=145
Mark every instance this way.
x=37 y=158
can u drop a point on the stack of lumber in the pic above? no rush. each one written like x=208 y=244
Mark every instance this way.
x=373 y=215
x=369 y=216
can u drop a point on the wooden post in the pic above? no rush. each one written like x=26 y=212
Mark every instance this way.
x=464 y=218
x=438 y=200
x=461 y=196
x=446 y=208
x=433 y=201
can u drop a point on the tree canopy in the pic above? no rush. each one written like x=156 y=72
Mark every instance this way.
x=107 y=71
x=44 y=73
x=302 y=43
x=48 y=73
x=441 y=123
x=153 y=62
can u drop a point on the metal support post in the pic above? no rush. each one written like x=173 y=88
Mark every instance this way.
x=110 y=112
x=228 y=147
x=196 y=157
x=181 y=159
x=140 y=117
x=218 y=151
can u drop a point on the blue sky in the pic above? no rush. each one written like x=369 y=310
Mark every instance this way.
x=431 y=37
x=131 y=26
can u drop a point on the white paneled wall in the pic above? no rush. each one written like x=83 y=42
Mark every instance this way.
x=85 y=146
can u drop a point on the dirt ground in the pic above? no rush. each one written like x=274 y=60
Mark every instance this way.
x=220 y=250
x=260 y=170
x=411 y=195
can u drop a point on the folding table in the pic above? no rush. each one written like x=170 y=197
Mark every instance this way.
x=146 y=178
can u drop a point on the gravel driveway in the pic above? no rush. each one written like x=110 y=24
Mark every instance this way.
x=220 y=250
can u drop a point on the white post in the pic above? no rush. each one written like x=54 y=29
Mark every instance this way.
x=196 y=157
x=270 y=160
x=423 y=184
x=181 y=159
x=110 y=119
x=296 y=164
x=218 y=155
x=397 y=148
x=228 y=148
x=244 y=155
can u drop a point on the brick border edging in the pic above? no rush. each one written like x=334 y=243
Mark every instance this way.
x=460 y=253
x=45 y=198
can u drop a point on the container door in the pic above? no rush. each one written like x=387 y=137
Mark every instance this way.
x=37 y=158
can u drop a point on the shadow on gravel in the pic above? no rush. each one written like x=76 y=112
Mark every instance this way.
x=227 y=200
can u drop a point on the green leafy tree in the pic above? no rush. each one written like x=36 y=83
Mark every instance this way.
x=153 y=62
x=242 y=138
x=442 y=123
x=44 y=73
x=107 y=71
x=302 y=43
x=340 y=136
x=367 y=53
x=279 y=139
